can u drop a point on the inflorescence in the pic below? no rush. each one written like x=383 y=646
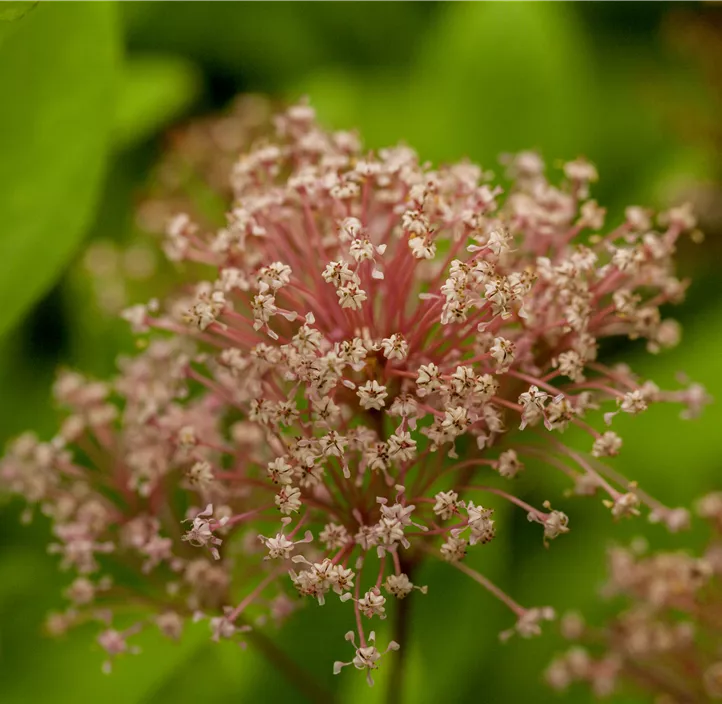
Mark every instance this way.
x=369 y=336
x=665 y=639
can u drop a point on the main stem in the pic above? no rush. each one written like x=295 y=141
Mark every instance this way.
x=395 y=686
x=289 y=668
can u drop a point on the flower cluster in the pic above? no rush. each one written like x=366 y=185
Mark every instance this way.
x=369 y=337
x=666 y=640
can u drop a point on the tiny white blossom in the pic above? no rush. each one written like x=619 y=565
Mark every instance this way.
x=201 y=475
x=351 y=296
x=446 y=504
x=402 y=447
x=395 y=347
x=279 y=471
x=508 y=464
x=200 y=534
x=372 y=395
x=454 y=549
x=502 y=351
x=372 y=604
x=607 y=445
x=288 y=499
x=427 y=380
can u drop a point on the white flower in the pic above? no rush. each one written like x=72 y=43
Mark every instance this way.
x=456 y=421
x=349 y=229
x=279 y=471
x=334 y=536
x=570 y=364
x=361 y=250
x=446 y=504
x=592 y=215
x=508 y=464
x=555 y=524
x=333 y=444
x=200 y=534
x=325 y=410
x=502 y=351
x=274 y=276
x=395 y=347
x=607 y=445
x=307 y=340
x=676 y=519
x=415 y=223
x=394 y=519
x=499 y=241
x=372 y=395
x=372 y=604
x=280 y=546
x=480 y=523
x=206 y=309
x=339 y=273
x=559 y=413
x=351 y=296
x=402 y=447
x=680 y=217
x=638 y=218
x=454 y=549
x=529 y=622
x=366 y=658
x=404 y=405
x=288 y=499
x=427 y=380
x=633 y=402
x=624 y=505
x=532 y=403
x=401 y=586
x=201 y=475
x=422 y=248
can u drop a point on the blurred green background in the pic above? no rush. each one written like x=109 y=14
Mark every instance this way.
x=88 y=92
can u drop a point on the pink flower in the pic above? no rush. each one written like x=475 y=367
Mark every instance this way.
x=361 y=316
x=669 y=603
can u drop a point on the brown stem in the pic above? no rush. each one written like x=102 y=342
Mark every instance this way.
x=395 y=686
x=312 y=690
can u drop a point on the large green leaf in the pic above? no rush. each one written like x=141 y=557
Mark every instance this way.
x=498 y=77
x=489 y=77
x=56 y=87
x=153 y=90
x=263 y=43
x=266 y=47
x=12 y=11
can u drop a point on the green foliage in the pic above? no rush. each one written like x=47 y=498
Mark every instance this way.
x=269 y=47
x=12 y=10
x=490 y=77
x=486 y=79
x=56 y=81
x=153 y=90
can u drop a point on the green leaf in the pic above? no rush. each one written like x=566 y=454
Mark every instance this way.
x=500 y=76
x=489 y=78
x=261 y=43
x=12 y=11
x=153 y=90
x=56 y=86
